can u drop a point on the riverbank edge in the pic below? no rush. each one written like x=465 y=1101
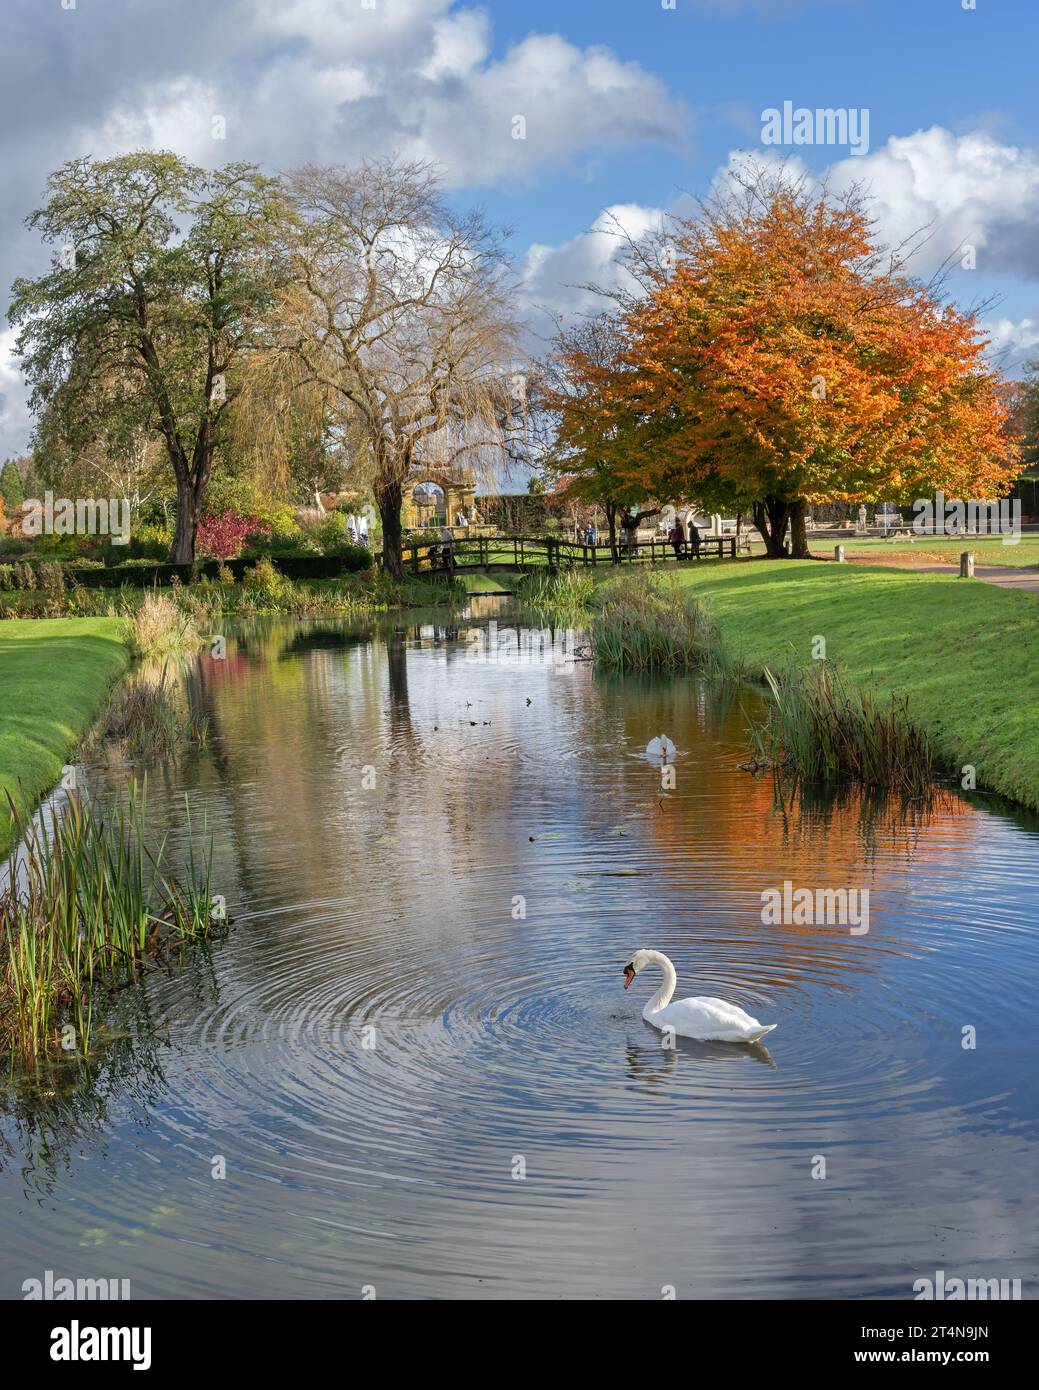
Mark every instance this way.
x=55 y=676
x=963 y=655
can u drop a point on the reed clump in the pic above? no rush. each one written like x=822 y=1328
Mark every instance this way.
x=159 y=626
x=820 y=730
x=87 y=908
x=650 y=622
x=565 y=592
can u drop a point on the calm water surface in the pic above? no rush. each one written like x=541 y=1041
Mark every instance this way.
x=412 y=1050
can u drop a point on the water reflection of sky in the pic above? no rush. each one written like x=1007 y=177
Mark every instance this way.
x=507 y=773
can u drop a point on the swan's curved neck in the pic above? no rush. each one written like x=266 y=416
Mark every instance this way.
x=667 y=988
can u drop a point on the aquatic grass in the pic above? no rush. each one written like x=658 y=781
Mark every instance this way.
x=645 y=621
x=206 y=599
x=567 y=592
x=87 y=908
x=818 y=729
x=159 y=626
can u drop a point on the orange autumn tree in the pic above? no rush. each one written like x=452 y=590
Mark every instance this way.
x=781 y=356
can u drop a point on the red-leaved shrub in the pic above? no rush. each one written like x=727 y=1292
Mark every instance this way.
x=223 y=537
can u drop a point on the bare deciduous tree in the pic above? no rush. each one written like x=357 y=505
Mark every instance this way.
x=400 y=312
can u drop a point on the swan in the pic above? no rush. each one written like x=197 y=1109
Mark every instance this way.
x=708 y=1020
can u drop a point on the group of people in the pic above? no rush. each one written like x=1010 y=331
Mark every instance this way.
x=357 y=529
x=677 y=536
x=679 y=540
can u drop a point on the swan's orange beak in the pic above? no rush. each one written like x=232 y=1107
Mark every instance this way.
x=629 y=975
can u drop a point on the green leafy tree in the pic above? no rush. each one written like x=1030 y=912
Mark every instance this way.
x=161 y=278
x=12 y=488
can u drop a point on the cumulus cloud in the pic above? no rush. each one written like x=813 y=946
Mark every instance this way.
x=288 y=81
x=556 y=279
x=967 y=191
x=971 y=190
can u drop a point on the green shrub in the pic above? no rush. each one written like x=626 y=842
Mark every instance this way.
x=262 y=580
x=147 y=542
x=329 y=533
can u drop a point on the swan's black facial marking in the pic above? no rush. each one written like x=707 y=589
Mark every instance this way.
x=629 y=974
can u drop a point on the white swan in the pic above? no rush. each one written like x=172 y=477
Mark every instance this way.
x=709 y=1020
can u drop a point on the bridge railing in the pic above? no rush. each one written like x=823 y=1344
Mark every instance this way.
x=552 y=552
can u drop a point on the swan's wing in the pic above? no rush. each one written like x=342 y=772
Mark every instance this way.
x=714 y=1011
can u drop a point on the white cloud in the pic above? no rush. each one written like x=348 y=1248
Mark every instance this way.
x=14 y=413
x=969 y=189
x=556 y=278
x=299 y=80
x=1012 y=344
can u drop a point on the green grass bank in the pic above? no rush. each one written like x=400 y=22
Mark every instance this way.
x=54 y=676
x=964 y=653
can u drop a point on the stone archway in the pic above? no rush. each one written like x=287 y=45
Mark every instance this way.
x=457 y=489
x=425 y=505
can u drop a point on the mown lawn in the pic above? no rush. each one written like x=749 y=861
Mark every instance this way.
x=989 y=550
x=965 y=653
x=54 y=675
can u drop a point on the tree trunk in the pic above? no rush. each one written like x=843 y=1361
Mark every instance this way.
x=770 y=517
x=611 y=522
x=798 y=531
x=389 y=500
x=186 y=525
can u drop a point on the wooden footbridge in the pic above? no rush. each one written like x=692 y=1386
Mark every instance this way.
x=490 y=553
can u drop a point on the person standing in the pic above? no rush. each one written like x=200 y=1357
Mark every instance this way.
x=694 y=537
x=677 y=538
x=447 y=549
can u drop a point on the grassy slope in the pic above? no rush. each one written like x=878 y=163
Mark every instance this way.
x=54 y=674
x=965 y=653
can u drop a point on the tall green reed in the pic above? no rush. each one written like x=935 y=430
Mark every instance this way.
x=818 y=729
x=564 y=593
x=88 y=907
x=651 y=622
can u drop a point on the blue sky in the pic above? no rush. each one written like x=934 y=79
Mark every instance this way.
x=628 y=105
x=914 y=63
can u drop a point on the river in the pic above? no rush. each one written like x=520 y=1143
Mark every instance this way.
x=409 y=1068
